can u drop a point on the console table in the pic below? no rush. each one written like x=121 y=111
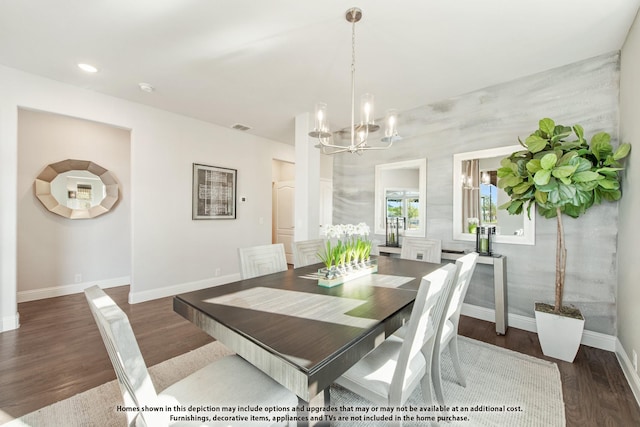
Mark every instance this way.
x=499 y=263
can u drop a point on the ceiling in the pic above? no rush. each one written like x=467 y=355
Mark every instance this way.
x=261 y=63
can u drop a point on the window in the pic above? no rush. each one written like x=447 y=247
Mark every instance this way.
x=404 y=203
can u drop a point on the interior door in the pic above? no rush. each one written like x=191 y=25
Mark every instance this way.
x=284 y=216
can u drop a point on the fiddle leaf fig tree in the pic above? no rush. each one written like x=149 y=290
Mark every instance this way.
x=561 y=173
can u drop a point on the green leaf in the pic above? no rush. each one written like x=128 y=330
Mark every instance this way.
x=542 y=177
x=548 y=161
x=573 y=211
x=611 y=195
x=535 y=143
x=502 y=172
x=533 y=165
x=587 y=186
x=583 y=197
x=609 y=184
x=563 y=171
x=622 y=151
x=581 y=163
x=522 y=187
x=509 y=181
x=506 y=162
x=505 y=205
x=560 y=136
x=577 y=129
x=515 y=208
x=565 y=180
x=586 y=176
x=610 y=172
x=552 y=185
x=600 y=145
x=541 y=197
x=547 y=126
x=567 y=146
x=566 y=192
x=566 y=157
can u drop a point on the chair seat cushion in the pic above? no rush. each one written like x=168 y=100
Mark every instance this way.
x=230 y=381
x=371 y=377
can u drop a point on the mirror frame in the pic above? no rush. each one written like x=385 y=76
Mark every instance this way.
x=529 y=225
x=42 y=188
x=379 y=196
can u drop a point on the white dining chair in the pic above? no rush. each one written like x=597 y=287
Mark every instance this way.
x=229 y=381
x=306 y=252
x=417 y=248
x=260 y=260
x=390 y=373
x=448 y=329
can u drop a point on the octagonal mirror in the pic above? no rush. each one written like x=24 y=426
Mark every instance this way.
x=77 y=189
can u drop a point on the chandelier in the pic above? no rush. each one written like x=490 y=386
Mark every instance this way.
x=358 y=133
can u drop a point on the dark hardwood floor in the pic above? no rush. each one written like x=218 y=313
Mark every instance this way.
x=57 y=353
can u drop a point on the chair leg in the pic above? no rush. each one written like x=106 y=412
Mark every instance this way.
x=427 y=381
x=455 y=358
x=436 y=376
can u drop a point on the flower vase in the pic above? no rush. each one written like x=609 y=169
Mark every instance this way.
x=337 y=275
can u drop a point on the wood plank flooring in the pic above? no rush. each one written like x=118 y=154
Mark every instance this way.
x=57 y=353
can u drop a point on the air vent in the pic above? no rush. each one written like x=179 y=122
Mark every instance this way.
x=238 y=126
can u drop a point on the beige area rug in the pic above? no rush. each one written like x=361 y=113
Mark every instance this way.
x=504 y=388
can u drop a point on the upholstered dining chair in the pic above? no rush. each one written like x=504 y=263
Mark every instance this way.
x=260 y=260
x=390 y=373
x=305 y=252
x=229 y=381
x=448 y=330
x=417 y=248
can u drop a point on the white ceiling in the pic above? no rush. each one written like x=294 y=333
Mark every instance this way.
x=260 y=63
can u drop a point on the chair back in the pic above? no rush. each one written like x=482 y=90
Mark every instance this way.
x=465 y=268
x=306 y=252
x=260 y=260
x=426 y=315
x=134 y=380
x=416 y=248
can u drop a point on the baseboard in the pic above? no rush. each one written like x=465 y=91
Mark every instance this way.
x=627 y=368
x=58 y=291
x=589 y=338
x=137 y=297
x=9 y=323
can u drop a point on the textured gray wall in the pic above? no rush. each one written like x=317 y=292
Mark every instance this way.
x=585 y=93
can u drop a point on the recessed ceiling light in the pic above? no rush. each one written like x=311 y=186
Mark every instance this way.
x=146 y=87
x=88 y=68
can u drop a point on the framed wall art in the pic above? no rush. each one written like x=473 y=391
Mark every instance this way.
x=214 y=192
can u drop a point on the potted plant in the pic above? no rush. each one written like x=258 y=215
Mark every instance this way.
x=561 y=178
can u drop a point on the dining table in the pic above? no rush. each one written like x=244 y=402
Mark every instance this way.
x=301 y=334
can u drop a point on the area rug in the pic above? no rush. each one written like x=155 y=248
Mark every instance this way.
x=504 y=388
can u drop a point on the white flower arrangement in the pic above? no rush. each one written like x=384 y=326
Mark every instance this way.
x=352 y=245
x=340 y=230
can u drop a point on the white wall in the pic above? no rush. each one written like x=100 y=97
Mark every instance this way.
x=629 y=229
x=52 y=250
x=170 y=251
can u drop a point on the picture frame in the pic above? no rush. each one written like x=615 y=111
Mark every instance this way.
x=213 y=192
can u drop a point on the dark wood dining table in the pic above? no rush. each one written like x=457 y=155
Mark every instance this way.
x=299 y=333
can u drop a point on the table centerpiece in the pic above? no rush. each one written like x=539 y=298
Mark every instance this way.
x=346 y=254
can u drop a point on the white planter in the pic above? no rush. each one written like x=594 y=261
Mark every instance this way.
x=559 y=336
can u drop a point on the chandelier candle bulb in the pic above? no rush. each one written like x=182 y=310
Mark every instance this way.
x=366 y=109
